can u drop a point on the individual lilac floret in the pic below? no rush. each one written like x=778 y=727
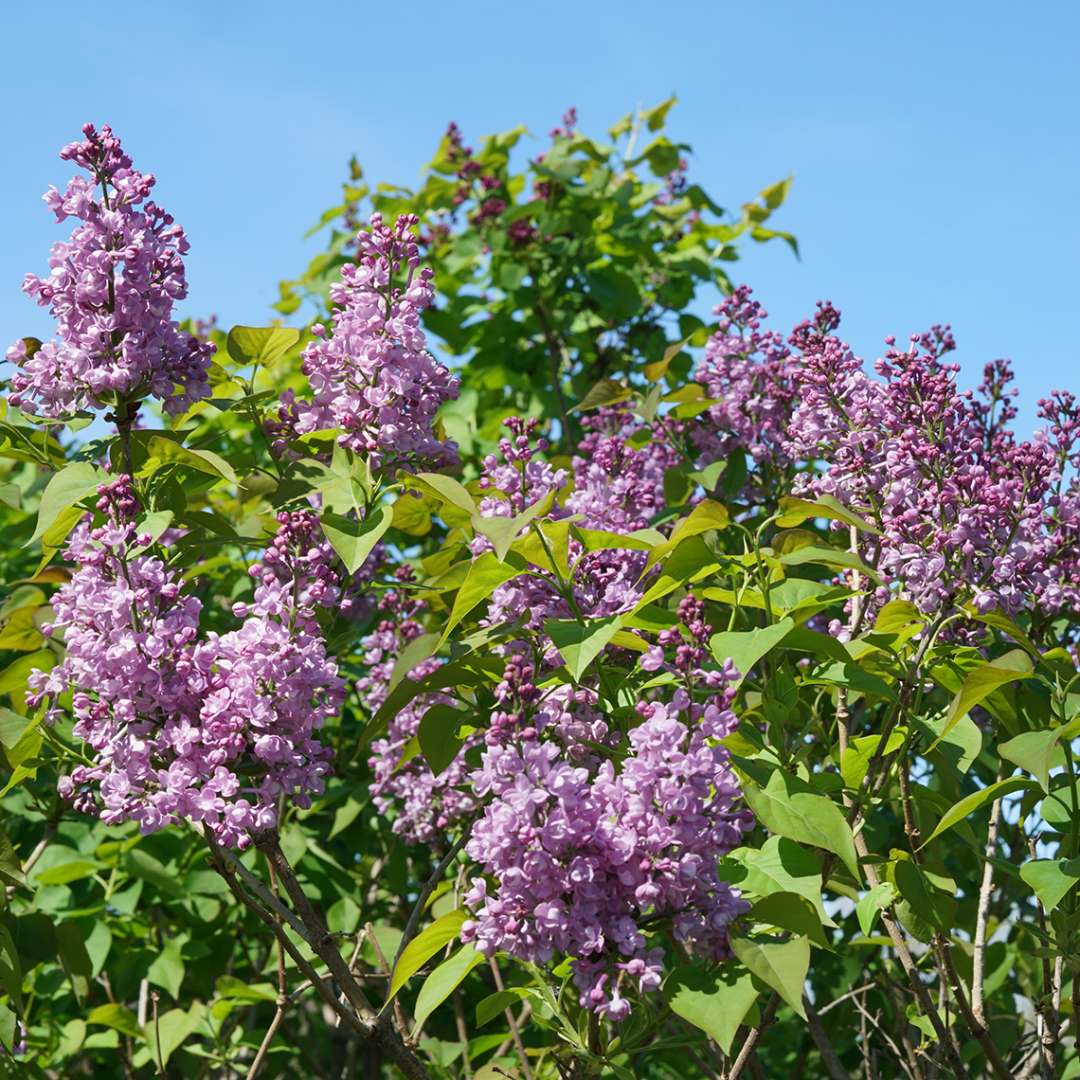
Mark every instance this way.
x=214 y=732
x=111 y=289
x=371 y=375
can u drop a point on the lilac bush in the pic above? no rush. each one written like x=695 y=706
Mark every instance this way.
x=695 y=707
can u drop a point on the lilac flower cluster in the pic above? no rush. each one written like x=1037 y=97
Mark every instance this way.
x=589 y=839
x=616 y=487
x=747 y=374
x=111 y=288
x=371 y=375
x=959 y=501
x=424 y=806
x=213 y=731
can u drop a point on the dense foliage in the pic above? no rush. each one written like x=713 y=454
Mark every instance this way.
x=512 y=673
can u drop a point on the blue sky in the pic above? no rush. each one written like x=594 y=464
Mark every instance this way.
x=934 y=147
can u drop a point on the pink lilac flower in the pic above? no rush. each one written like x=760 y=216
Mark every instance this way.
x=748 y=375
x=616 y=488
x=582 y=851
x=111 y=288
x=215 y=731
x=958 y=500
x=371 y=374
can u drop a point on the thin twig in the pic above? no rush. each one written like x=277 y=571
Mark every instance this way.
x=752 y=1036
x=978 y=959
x=515 y=1033
x=282 y=998
x=428 y=888
x=821 y=1040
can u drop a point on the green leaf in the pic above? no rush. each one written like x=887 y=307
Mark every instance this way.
x=580 y=644
x=716 y=1002
x=438 y=735
x=1051 y=879
x=12 y=728
x=10 y=863
x=1033 y=751
x=472 y=669
x=160 y=449
x=856 y=758
x=605 y=392
x=443 y=981
x=228 y=986
x=707 y=515
x=972 y=802
x=923 y=906
x=175 y=1026
x=117 y=1017
x=1002 y=622
x=486 y=574
x=10 y=968
x=446 y=489
x=792 y=912
x=896 y=616
x=64 y=873
x=8 y=1022
x=354 y=540
x=496 y=1004
x=143 y=865
x=827 y=556
x=781 y=965
x=795 y=511
x=866 y=910
x=503 y=531
x=982 y=682
x=654 y=120
x=67 y=487
x=780 y=865
x=851 y=675
x=13 y=677
x=423 y=947
x=167 y=970
x=785 y=807
x=746 y=647
x=71 y=945
x=260 y=345
x=658 y=368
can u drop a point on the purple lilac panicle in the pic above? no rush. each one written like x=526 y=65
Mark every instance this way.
x=111 y=288
x=579 y=849
x=213 y=731
x=959 y=501
x=372 y=375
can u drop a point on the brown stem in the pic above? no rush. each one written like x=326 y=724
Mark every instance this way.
x=315 y=934
x=978 y=959
x=821 y=1040
x=514 y=1032
x=753 y=1035
x=282 y=998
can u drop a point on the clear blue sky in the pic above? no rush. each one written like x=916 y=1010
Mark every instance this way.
x=934 y=146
